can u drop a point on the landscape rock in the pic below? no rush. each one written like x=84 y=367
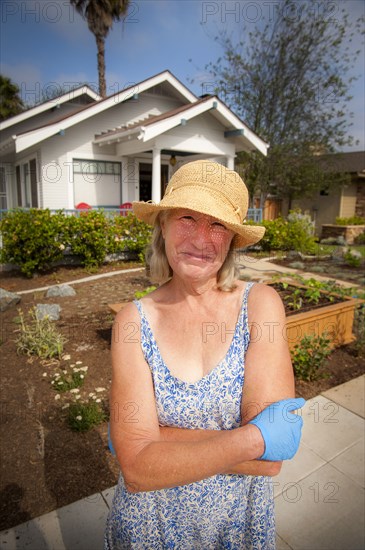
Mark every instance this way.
x=294 y=254
x=8 y=299
x=52 y=311
x=318 y=269
x=61 y=290
x=297 y=265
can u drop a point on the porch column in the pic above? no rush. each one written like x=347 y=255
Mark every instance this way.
x=156 y=175
x=230 y=163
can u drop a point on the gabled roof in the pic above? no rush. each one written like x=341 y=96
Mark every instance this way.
x=154 y=126
x=148 y=129
x=352 y=162
x=32 y=137
x=50 y=104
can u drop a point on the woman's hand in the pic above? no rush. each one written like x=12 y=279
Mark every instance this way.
x=280 y=429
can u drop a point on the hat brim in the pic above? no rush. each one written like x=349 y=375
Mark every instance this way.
x=204 y=203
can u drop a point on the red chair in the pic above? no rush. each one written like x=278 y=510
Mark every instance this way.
x=124 y=208
x=83 y=206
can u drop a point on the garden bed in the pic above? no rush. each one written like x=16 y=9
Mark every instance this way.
x=319 y=313
x=334 y=267
x=45 y=465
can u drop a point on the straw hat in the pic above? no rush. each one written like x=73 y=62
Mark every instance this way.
x=209 y=188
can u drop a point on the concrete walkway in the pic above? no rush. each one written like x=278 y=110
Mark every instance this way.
x=319 y=495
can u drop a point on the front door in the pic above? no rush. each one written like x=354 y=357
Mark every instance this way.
x=145 y=180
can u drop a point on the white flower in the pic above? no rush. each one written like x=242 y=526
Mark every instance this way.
x=57 y=396
x=52 y=382
x=84 y=369
x=78 y=362
x=82 y=376
x=78 y=396
x=98 y=401
x=75 y=390
x=91 y=394
x=64 y=371
x=44 y=374
x=66 y=357
x=100 y=389
x=62 y=247
x=66 y=406
x=78 y=417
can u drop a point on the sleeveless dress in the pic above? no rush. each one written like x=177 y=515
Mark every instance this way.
x=224 y=511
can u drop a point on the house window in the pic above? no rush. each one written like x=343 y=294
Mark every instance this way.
x=99 y=167
x=26 y=184
x=3 y=200
x=97 y=183
x=324 y=192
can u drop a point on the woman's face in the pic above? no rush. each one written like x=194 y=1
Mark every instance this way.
x=196 y=244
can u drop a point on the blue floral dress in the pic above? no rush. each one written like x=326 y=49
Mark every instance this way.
x=223 y=511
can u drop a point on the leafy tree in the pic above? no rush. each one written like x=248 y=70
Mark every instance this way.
x=289 y=78
x=10 y=101
x=100 y=15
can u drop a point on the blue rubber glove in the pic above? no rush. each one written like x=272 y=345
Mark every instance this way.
x=280 y=429
x=110 y=444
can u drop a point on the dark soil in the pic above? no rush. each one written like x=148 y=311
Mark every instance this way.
x=298 y=300
x=334 y=268
x=45 y=465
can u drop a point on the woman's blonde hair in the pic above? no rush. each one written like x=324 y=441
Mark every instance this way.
x=159 y=268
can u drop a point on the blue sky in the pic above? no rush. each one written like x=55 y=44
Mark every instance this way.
x=45 y=44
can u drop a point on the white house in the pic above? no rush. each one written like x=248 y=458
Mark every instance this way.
x=80 y=148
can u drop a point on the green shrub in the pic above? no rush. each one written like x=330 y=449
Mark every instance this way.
x=32 y=239
x=68 y=379
x=309 y=356
x=300 y=232
x=35 y=239
x=140 y=293
x=83 y=416
x=275 y=234
x=129 y=233
x=88 y=237
x=294 y=233
x=360 y=239
x=39 y=337
x=359 y=331
x=353 y=220
x=353 y=258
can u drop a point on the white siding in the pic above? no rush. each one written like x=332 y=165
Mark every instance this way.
x=77 y=142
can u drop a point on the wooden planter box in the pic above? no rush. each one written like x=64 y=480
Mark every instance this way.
x=335 y=320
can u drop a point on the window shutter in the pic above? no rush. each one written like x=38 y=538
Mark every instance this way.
x=18 y=186
x=33 y=183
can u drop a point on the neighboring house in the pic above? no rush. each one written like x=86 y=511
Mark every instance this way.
x=105 y=152
x=343 y=202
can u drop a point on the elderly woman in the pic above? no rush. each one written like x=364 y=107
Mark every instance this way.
x=202 y=387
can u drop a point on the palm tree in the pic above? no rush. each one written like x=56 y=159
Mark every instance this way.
x=10 y=100
x=100 y=15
